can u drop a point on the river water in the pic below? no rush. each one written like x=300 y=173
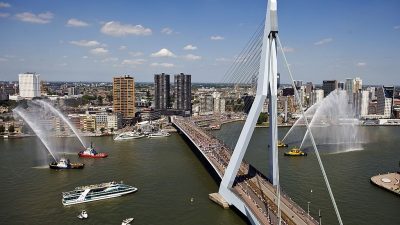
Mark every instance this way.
x=168 y=175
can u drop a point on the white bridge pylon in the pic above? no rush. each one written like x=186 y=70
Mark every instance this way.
x=266 y=87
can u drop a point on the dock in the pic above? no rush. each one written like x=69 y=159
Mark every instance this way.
x=389 y=181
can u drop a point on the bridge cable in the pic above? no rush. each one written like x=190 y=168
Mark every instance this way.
x=311 y=136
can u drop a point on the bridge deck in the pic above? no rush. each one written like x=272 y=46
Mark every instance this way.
x=251 y=186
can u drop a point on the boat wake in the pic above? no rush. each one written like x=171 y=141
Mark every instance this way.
x=41 y=167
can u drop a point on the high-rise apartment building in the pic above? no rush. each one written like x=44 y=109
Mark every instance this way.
x=29 y=85
x=364 y=103
x=124 y=96
x=328 y=86
x=357 y=84
x=161 y=91
x=183 y=92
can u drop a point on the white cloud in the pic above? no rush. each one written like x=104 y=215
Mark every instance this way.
x=288 y=49
x=110 y=59
x=99 y=51
x=192 y=57
x=163 y=53
x=3 y=59
x=324 y=41
x=4 y=15
x=190 y=47
x=63 y=64
x=5 y=5
x=41 y=18
x=133 y=62
x=123 y=47
x=166 y=65
x=222 y=59
x=76 y=23
x=167 y=31
x=85 y=43
x=135 y=54
x=396 y=27
x=117 y=29
x=217 y=38
x=361 y=64
x=85 y=57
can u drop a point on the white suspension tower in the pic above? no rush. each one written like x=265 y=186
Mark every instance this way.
x=266 y=87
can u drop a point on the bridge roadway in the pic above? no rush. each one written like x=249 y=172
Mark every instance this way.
x=251 y=186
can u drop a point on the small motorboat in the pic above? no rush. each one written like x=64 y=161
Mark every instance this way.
x=127 y=221
x=83 y=215
x=281 y=144
x=295 y=152
x=65 y=164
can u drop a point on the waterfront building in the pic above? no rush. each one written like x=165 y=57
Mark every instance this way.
x=29 y=85
x=161 y=91
x=384 y=101
x=206 y=104
x=219 y=103
x=328 y=86
x=183 y=93
x=349 y=85
x=88 y=123
x=124 y=96
x=364 y=103
x=114 y=121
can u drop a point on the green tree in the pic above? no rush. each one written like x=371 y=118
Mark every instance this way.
x=92 y=130
x=2 y=129
x=102 y=130
x=112 y=129
x=262 y=118
x=100 y=100
x=11 y=129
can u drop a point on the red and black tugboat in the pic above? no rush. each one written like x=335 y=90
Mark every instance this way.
x=90 y=152
x=65 y=164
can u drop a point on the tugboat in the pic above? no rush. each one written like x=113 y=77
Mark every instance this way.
x=91 y=153
x=65 y=164
x=295 y=152
x=281 y=144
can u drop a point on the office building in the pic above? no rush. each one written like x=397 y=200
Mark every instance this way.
x=29 y=85
x=161 y=91
x=384 y=101
x=124 y=96
x=328 y=86
x=183 y=93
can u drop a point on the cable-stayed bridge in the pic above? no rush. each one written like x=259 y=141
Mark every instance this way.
x=259 y=197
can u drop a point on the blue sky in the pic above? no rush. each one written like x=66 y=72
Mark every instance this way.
x=96 y=40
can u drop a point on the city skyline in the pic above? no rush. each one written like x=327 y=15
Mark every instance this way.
x=323 y=40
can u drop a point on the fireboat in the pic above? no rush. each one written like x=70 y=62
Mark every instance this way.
x=65 y=164
x=90 y=152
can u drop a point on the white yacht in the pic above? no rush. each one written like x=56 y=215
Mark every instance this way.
x=158 y=134
x=127 y=221
x=96 y=192
x=129 y=135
